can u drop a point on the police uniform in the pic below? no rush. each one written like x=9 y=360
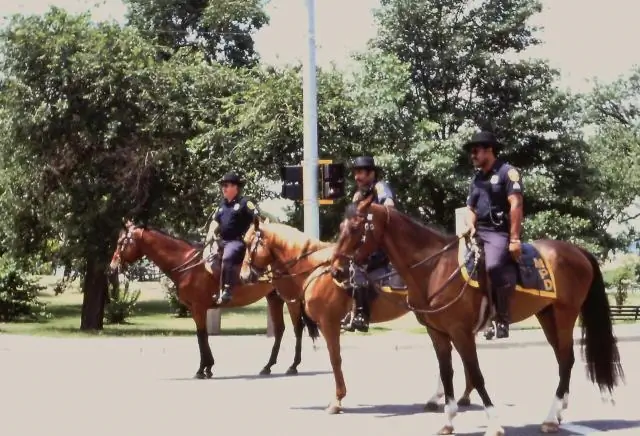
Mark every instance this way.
x=234 y=218
x=377 y=263
x=488 y=197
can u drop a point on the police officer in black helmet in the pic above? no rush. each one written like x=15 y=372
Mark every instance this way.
x=366 y=175
x=231 y=221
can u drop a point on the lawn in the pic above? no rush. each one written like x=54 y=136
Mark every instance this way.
x=153 y=317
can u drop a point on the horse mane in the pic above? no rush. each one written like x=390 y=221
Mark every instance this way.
x=432 y=229
x=293 y=238
x=196 y=245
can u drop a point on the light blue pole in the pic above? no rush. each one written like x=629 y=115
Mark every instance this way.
x=310 y=152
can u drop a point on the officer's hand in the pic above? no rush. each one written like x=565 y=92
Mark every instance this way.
x=515 y=248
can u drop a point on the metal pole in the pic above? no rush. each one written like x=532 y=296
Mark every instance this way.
x=310 y=153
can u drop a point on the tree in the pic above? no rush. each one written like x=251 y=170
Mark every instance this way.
x=462 y=74
x=221 y=30
x=263 y=129
x=95 y=127
x=612 y=112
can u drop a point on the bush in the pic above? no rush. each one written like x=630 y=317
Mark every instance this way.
x=177 y=308
x=622 y=279
x=19 y=294
x=122 y=303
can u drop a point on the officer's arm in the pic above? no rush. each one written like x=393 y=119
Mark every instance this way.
x=253 y=211
x=514 y=195
x=472 y=200
x=384 y=194
x=214 y=227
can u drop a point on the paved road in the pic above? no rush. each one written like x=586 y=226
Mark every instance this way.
x=142 y=386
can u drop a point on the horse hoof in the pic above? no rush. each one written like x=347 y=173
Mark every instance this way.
x=292 y=371
x=498 y=432
x=447 y=429
x=550 y=427
x=464 y=402
x=265 y=371
x=333 y=409
x=431 y=406
x=208 y=373
x=199 y=375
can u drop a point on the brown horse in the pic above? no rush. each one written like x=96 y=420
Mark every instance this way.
x=195 y=286
x=450 y=308
x=291 y=253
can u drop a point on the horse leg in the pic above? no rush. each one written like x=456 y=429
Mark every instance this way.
x=295 y=312
x=276 y=307
x=466 y=346
x=464 y=401
x=442 y=346
x=331 y=332
x=560 y=336
x=206 y=356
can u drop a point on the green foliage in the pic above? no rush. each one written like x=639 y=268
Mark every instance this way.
x=171 y=295
x=221 y=30
x=121 y=303
x=19 y=294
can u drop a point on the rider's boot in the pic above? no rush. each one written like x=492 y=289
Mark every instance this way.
x=361 y=319
x=503 y=295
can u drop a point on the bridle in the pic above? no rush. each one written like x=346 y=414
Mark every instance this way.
x=279 y=273
x=368 y=230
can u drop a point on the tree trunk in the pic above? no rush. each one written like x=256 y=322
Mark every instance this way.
x=95 y=288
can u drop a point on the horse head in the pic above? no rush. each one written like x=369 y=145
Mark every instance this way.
x=257 y=256
x=361 y=233
x=128 y=249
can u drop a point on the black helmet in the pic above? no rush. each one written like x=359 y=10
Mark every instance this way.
x=364 y=162
x=483 y=139
x=232 y=178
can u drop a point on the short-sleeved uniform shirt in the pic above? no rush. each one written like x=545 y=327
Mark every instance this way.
x=489 y=192
x=235 y=217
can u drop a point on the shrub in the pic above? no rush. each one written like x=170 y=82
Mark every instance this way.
x=19 y=294
x=171 y=294
x=122 y=303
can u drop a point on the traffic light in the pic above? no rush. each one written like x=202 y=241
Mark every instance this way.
x=332 y=176
x=291 y=176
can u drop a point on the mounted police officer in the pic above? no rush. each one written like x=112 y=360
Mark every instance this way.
x=366 y=175
x=230 y=222
x=495 y=217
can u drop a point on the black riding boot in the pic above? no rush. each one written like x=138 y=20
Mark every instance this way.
x=361 y=318
x=228 y=278
x=503 y=295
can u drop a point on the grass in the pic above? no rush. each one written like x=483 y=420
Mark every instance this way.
x=152 y=316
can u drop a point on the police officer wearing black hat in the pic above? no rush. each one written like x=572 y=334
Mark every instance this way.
x=495 y=217
x=231 y=221
x=366 y=175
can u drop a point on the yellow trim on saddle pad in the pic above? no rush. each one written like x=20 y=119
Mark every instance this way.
x=390 y=290
x=541 y=265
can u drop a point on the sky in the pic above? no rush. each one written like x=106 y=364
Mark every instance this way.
x=585 y=39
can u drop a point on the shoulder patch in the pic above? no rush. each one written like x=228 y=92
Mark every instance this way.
x=250 y=205
x=513 y=175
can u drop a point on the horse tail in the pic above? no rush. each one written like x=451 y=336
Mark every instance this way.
x=599 y=345
x=312 y=326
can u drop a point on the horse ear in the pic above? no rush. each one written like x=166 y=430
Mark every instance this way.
x=364 y=204
x=256 y=223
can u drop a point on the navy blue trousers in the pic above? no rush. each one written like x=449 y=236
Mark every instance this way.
x=500 y=265
x=232 y=256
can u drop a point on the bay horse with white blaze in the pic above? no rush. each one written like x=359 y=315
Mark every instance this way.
x=291 y=253
x=444 y=301
x=181 y=262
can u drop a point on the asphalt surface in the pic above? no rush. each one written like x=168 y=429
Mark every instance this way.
x=143 y=386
